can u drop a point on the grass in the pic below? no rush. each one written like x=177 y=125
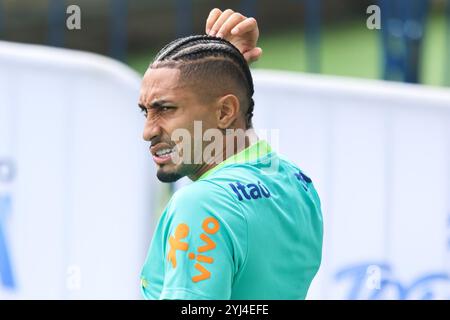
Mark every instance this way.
x=347 y=49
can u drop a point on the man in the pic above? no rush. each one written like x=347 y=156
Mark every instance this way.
x=245 y=228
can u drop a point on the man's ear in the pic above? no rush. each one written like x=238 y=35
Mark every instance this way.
x=228 y=111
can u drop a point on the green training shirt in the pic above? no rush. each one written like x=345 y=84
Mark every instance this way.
x=249 y=228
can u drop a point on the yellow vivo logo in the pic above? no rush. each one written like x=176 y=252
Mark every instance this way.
x=210 y=226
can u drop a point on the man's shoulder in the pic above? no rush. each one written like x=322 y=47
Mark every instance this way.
x=205 y=201
x=207 y=196
x=198 y=191
x=264 y=168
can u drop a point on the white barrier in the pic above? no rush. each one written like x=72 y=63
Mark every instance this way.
x=76 y=181
x=379 y=155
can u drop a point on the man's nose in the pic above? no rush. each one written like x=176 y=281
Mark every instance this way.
x=151 y=130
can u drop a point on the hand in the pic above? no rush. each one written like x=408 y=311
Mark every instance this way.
x=241 y=31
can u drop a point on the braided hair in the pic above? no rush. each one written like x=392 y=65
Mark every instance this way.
x=201 y=56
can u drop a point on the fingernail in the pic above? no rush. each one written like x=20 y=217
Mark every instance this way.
x=235 y=30
x=208 y=30
x=220 y=35
x=213 y=33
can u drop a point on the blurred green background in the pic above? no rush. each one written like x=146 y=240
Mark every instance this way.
x=347 y=49
x=134 y=30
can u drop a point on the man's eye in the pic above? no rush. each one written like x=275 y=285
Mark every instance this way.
x=166 y=108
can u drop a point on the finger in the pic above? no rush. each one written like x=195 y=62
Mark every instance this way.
x=245 y=26
x=212 y=18
x=232 y=21
x=223 y=17
x=253 y=55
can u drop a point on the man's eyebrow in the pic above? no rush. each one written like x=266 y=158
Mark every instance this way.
x=155 y=104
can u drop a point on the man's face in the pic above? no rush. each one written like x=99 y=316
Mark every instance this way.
x=171 y=104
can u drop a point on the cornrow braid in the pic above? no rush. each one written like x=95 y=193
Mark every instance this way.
x=201 y=49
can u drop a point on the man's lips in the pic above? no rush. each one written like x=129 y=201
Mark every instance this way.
x=161 y=158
